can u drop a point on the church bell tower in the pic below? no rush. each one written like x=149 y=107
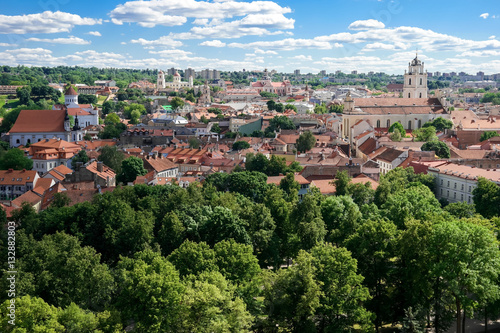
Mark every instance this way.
x=415 y=85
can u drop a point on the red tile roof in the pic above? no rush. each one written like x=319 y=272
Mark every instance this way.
x=70 y=91
x=49 y=121
x=17 y=177
x=30 y=197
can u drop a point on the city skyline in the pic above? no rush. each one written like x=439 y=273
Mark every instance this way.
x=361 y=35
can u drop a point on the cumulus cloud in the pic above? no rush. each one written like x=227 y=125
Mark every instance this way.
x=69 y=40
x=162 y=41
x=251 y=25
x=286 y=44
x=303 y=58
x=94 y=33
x=211 y=19
x=46 y=22
x=484 y=15
x=171 y=12
x=487 y=53
x=492 y=37
x=366 y=25
x=259 y=51
x=213 y=43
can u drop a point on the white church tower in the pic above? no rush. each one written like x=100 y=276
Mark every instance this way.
x=415 y=85
x=160 y=82
x=71 y=98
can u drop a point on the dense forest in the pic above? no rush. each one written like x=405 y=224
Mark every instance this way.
x=236 y=255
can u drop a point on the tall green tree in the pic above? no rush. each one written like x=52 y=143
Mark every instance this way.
x=373 y=245
x=487 y=198
x=305 y=141
x=342 y=292
x=131 y=168
x=150 y=292
x=110 y=156
x=465 y=264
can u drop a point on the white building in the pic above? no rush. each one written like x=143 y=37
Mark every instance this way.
x=456 y=182
x=415 y=81
x=87 y=114
x=176 y=84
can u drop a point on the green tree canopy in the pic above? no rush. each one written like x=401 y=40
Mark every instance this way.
x=15 y=159
x=487 y=198
x=305 y=141
x=439 y=147
x=111 y=157
x=239 y=145
x=488 y=135
x=131 y=168
x=80 y=157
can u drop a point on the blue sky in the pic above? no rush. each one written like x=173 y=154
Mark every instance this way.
x=310 y=35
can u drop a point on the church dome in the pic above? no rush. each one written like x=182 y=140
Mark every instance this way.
x=177 y=74
x=416 y=62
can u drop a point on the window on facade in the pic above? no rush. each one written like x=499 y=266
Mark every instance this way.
x=409 y=81
x=462 y=187
x=469 y=189
x=409 y=95
x=455 y=185
x=388 y=123
x=17 y=141
x=378 y=124
x=441 y=192
x=419 y=123
x=409 y=124
x=469 y=199
x=441 y=182
x=448 y=185
x=454 y=195
x=421 y=83
x=420 y=95
x=461 y=197
x=448 y=194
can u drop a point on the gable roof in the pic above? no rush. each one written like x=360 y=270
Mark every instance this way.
x=49 y=121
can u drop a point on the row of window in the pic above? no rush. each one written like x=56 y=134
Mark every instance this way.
x=469 y=200
x=455 y=185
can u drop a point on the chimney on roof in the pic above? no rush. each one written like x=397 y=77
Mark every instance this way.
x=99 y=166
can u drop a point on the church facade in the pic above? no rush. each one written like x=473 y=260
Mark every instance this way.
x=411 y=111
x=175 y=84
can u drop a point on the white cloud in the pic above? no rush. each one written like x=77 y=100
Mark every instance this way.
x=382 y=46
x=69 y=40
x=46 y=22
x=286 y=44
x=259 y=51
x=250 y=25
x=303 y=58
x=366 y=25
x=211 y=19
x=484 y=15
x=175 y=12
x=162 y=41
x=213 y=43
x=7 y=44
x=486 y=53
x=94 y=33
